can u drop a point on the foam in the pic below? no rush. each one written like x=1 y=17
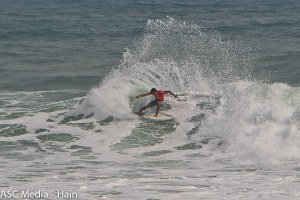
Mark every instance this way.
x=253 y=120
x=257 y=121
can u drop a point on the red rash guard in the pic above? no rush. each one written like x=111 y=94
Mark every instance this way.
x=160 y=95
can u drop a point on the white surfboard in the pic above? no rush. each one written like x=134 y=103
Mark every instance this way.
x=160 y=117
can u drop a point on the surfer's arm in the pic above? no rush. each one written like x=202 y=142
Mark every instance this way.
x=169 y=92
x=143 y=95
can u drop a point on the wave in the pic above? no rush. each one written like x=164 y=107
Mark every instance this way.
x=222 y=97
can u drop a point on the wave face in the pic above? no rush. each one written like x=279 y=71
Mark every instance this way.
x=222 y=103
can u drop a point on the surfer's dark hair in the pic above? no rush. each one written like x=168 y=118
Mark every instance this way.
x=153 y=90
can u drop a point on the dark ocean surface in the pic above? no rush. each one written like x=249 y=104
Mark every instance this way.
x=49 y=45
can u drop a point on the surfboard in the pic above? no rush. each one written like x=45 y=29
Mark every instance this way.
x=160 y=117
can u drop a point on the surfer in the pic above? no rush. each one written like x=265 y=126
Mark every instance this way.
x=159 y=98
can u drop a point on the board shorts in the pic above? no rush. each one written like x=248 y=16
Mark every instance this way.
x=153 y=103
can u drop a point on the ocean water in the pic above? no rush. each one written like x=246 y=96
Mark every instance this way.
x=70 y=71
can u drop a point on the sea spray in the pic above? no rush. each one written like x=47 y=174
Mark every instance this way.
x=248 y=119
x=171 y=55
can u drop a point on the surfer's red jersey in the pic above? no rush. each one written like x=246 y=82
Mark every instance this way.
x=160 y=95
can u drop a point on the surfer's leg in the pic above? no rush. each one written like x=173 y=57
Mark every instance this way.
x=158 y=103
x=142 y=109
x=151 y=104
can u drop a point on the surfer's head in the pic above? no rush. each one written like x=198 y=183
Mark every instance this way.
x=153 y=90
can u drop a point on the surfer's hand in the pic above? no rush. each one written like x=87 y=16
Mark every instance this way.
x=175 y=96
x=137 y=97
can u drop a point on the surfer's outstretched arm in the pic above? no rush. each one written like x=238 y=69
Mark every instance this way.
x=171 y=93
x=143 y=95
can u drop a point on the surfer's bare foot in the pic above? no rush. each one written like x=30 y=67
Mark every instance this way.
x=155 y=115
